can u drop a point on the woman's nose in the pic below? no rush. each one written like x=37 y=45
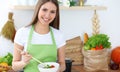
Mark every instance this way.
x=47 y=15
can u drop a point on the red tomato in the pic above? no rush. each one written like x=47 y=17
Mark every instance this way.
x=99 y=47
x=96 y=48
x=52 y=66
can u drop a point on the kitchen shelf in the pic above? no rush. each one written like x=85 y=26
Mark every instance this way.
x=84 y=8
x=19 y=7
x=22 y=7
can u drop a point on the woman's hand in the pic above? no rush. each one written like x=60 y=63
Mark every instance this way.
x=26 y=57
x=58 y=70
x=61 y=69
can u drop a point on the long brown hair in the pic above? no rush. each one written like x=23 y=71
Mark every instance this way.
x=55 y=22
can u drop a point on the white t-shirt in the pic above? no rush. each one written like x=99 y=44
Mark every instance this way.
x=22 y=35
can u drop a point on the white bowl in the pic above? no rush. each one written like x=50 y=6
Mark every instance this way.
x=42 y=69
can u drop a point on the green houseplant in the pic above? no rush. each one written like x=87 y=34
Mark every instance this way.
x=97 y=42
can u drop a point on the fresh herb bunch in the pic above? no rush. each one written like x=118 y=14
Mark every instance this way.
x=7 y=59
x=98 y=41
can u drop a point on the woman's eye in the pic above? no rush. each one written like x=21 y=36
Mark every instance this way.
x=53 y=11
x=44 y=9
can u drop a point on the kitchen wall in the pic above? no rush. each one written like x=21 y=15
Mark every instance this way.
x=74 y=23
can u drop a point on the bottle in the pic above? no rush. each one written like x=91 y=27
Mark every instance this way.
x=81 y=2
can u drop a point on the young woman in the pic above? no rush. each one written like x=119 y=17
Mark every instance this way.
x=41 y=39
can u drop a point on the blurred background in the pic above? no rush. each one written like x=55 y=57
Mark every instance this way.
x=72 y=22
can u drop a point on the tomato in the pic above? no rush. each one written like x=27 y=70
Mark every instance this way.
x=52 y=66
x=99 y=47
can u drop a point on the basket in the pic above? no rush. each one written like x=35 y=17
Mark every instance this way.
x=73 y=50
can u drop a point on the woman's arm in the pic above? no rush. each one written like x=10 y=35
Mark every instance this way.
x=20 y=59
x=61 y=58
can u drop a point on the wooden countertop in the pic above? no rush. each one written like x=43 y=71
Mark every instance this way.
x=79 y=68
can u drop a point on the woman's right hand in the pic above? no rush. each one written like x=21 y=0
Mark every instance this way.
x=26 y=57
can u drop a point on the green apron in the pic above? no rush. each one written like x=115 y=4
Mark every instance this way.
x=43 y=52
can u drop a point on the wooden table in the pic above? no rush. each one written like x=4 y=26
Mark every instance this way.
x=79 y=68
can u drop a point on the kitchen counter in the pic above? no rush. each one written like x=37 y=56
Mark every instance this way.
x=79 y=68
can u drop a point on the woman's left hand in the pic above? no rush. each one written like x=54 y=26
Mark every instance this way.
x=58 y=70
x=61 y=69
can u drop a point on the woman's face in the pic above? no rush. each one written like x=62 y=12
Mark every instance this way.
x=47 y=13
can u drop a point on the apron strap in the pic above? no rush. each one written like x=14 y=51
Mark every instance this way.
x=30 y=35
x=31 y=32
x=53 y=38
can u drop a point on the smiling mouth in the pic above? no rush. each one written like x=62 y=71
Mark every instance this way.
x=46 y=20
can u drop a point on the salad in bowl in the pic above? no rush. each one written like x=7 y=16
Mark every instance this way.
x=48 y=67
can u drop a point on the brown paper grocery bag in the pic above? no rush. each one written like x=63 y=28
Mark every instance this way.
x=73 y=50
x=95 y=60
